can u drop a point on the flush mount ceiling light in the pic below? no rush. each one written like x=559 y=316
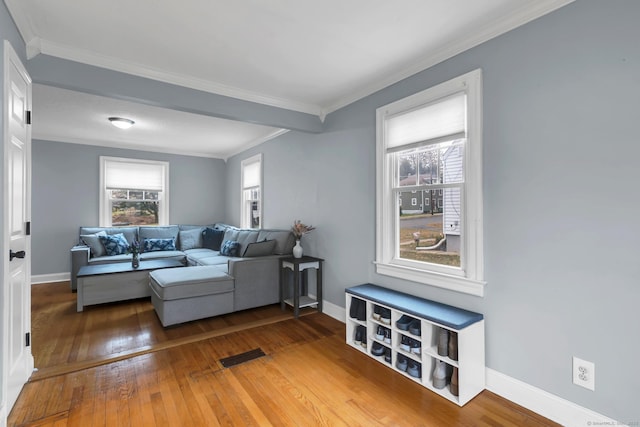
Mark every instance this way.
x=121 y=123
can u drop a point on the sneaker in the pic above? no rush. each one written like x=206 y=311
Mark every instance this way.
x=357 y=338
x=453 y=345
x=414 y=369
x=403 y=322
x=376 y=312
x=440 y=375
x=402 y=363
x=387 y=355
x=387 y=335
x=414 y=327
x=404 y=344
x=377 y=349
x=415 y=346
x=443 y=342
x=380 y=332
x=385 y=315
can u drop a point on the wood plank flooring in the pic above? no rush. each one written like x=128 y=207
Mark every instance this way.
x=308 y=376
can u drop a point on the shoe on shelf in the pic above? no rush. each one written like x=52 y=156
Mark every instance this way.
x=453 y=386
x=402 y=363
x=353 y=308
x=414 y=327
x=403 y=322
x=380 y=332
x=404 y=344
x=364 y=337
x=415 y=346
x=362 y=311
x=453 y=345
x=376 y=312
x=443 y=342
x=387 y=354
x=357 y=338
x=387 y=335
x=414 y=369
x=440 y=375
x=385 y=315
x=377 y=349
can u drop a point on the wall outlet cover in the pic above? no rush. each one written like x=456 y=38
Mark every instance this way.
x=584 y=373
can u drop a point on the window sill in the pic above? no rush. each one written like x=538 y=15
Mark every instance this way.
x=445 y=281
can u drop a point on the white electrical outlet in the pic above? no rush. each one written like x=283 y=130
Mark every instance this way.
x=584 y=373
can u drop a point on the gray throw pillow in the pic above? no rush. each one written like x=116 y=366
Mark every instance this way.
x=94 y=243
x=190 y=239
x=263 y=248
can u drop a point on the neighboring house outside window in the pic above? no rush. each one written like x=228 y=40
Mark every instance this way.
x=431 y=142
x=133 y=192
x=251 y=176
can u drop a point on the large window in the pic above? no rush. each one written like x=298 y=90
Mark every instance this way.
x=133 y=192
x=430 y=144
x=251 y=210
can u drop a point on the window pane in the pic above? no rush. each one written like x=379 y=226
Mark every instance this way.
x=134 y=213
x=119 y=194
x=151 y=195
x=433 y=235
x=433 y=164
x=136 y=195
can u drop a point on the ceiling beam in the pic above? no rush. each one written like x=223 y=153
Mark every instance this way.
x=85 y=78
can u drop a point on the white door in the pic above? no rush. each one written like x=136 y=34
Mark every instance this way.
x=17 y=360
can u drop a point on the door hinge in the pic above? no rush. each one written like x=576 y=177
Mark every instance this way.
x=28 y=228
x=28 y=339
x=28 y=117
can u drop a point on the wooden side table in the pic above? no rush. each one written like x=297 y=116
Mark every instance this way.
x=300 y=267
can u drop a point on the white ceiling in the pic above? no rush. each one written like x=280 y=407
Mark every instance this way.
x=312 y=57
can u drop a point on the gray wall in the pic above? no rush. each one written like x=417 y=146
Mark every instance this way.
x=561 y=212
x=66 y=195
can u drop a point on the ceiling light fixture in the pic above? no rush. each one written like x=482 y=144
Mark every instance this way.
x=121 y=123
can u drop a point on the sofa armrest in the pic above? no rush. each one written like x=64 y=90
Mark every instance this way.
x=256 y=281
x=79 y=256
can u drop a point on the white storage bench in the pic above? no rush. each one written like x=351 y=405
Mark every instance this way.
x=432 y=317
x=190 y=293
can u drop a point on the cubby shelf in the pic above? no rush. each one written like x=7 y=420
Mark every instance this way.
x=433 y=316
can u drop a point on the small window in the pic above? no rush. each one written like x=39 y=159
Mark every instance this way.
x=133 y=192
x=251 y=210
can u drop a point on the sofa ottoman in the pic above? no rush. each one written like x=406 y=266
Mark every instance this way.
x=184 y=294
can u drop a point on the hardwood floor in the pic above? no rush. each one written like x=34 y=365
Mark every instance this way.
x=308 y=375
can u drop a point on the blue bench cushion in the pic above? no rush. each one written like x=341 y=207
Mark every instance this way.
x=446 y=315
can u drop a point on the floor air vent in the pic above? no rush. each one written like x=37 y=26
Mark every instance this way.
x=247 y=356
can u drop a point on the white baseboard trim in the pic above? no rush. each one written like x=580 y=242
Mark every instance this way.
x=541 y=402
x=48 y=278
x=334 y=311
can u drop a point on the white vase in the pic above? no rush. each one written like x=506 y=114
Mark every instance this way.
x=297 y=250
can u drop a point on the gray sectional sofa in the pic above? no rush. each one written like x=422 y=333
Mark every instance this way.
x=252 y=263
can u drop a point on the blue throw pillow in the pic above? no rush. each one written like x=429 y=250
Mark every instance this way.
x=115 y=244
x=212 y=238
x=230 y=248
x=152 y=245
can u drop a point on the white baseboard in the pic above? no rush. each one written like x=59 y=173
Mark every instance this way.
x=541 y=402
x=48 y=278
x=537 y=400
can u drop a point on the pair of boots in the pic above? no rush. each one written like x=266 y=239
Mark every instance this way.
x=441 y=376
x=358 y=309
x=448 y=343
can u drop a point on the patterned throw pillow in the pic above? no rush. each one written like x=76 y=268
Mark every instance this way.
x=230 y=248
x=152 y=245
x=115 y=244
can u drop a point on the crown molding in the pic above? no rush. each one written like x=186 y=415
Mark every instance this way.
x=103 y=61
x=21 y=19
x=517 y=18
x=254 y=143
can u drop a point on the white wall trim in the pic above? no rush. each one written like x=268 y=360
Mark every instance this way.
x=334 y=311
x=541 y=402
x=50 y=278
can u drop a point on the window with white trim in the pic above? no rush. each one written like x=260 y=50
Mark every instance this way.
x=432 y=142
x=251 y=211
x=133 y=192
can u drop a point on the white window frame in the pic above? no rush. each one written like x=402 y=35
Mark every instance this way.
x=469 y=277
x=105 y=201
x=245 y=208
